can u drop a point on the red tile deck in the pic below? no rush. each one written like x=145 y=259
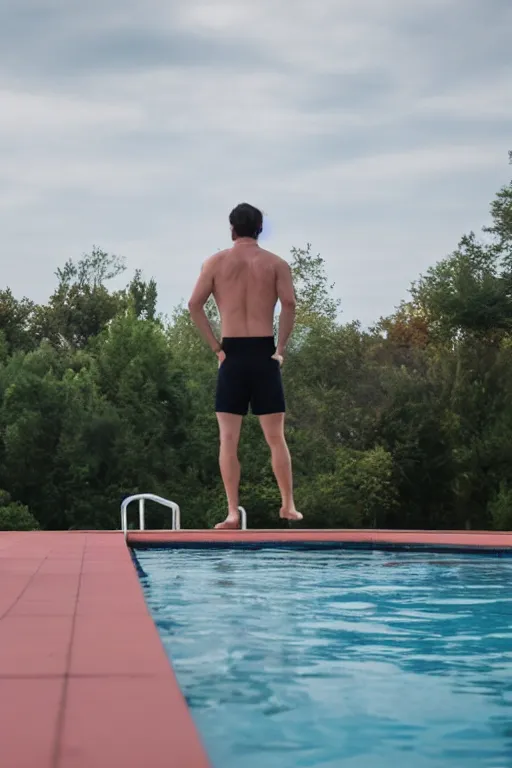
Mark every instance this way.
x=84 y=679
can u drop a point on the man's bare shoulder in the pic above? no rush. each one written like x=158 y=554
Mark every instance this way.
x=280 y=266
x=214 y=260
x=271 y=257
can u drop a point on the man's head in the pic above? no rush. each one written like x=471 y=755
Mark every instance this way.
x=246 y=221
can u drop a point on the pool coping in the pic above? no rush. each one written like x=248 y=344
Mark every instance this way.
x=81 y=659
x=389 y=540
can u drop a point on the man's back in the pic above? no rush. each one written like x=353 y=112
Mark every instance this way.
x=245 y=287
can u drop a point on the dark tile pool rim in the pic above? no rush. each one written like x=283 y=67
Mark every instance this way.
x=449 y=542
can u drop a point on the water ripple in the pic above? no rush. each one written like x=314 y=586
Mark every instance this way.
x=322 y=659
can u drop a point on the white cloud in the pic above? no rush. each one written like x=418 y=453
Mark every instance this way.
x=484 y=101
x=56 y=112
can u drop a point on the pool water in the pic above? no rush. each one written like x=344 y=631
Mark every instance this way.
x=339 y=659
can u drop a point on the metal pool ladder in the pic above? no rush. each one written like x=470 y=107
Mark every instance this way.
x=176 y=515
x=142 y=498
x=243 y=518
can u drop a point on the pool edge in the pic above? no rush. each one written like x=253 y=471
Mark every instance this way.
x=387 y=540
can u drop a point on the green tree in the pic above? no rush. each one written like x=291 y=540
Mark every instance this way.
x=15 y=322
x=81 y=306
x=143 y=296
x=500 y=508
x=31 y=416
x=358 y=492
x=15 y=516
x=138 y=375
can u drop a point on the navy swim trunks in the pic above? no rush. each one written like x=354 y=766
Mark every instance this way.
x=249 y=376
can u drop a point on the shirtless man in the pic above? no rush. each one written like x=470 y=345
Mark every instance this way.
x=246 y=282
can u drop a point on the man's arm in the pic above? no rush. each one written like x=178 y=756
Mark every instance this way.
x=200 y=296
x=286 y=296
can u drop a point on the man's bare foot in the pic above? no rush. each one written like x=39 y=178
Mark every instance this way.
x=231 y=522
x=290 y=514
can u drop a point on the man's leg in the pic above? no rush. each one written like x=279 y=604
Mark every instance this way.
x=229 y=429
x=272 y=425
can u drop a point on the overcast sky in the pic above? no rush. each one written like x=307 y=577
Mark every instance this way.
x=377 y=130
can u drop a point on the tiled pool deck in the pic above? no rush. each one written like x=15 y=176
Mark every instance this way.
x=84 y=679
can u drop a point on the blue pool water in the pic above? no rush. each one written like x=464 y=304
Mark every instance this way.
x=339 y=659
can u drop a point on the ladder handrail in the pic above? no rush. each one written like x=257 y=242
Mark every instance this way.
x=176 y=517
x=141 y=498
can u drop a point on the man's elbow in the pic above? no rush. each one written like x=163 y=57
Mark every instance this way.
x=194 y=306
x=289 y=305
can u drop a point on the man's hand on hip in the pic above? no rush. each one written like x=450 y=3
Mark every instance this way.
x=278 y=357
x=221 y=356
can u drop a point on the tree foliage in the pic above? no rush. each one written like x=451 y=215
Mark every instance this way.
x=406 y=424
x=15 y=516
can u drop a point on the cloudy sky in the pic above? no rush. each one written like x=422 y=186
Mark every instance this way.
x=377 y=130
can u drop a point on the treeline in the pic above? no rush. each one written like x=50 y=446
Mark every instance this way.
x=408 y=424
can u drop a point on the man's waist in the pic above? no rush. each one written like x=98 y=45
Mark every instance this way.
x=248 y=345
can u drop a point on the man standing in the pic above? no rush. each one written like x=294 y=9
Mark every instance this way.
x=246 y=282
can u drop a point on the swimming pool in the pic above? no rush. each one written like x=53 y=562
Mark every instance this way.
x=294 y=658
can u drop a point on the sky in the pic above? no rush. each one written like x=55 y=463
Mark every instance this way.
x=376 y=130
